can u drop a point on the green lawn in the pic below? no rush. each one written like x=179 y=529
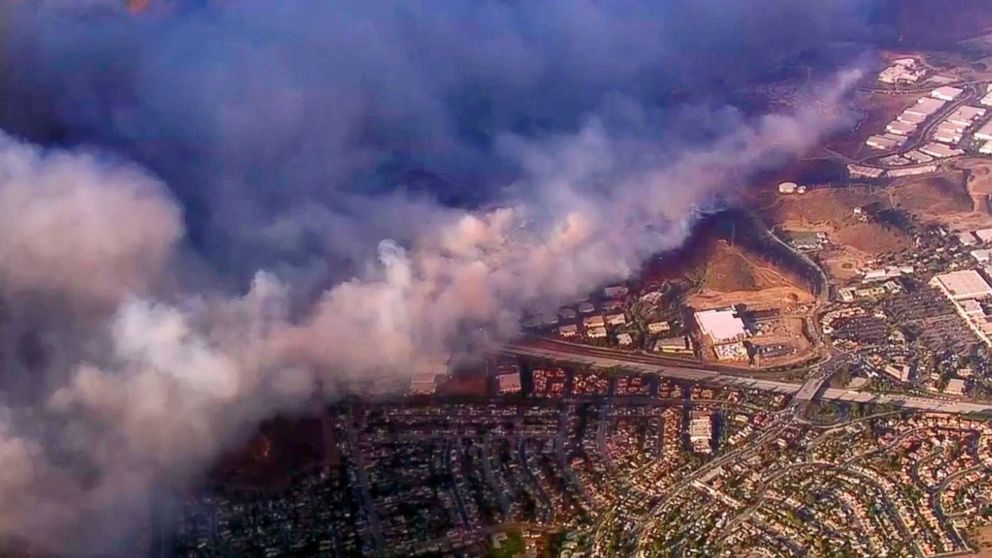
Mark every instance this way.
x=512 y=546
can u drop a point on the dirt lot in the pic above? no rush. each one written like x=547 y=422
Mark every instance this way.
x=824 y=209
x=984 y=541
x=783 y=296
x=732 y=276
x=871 y=238
x=729 y=270
x=933 y=197
x=841 y=263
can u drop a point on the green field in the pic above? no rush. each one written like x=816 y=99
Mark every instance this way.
x=512 y=546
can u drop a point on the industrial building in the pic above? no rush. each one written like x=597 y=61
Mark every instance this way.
x=594 y=321
x=900 y=128
x=965 y=116
x=596 y=333
x=862 y=171
x=721 y=325
x=885 y=142
x=946 y=93
x=918 y=157
x=508 y=383
x=913 y=118
x=701 y=432
x=985 y=132
x=675 y=345
x=925 y=107
x=962 y=285
x=658 y=327
x=984 y=235
x=423 y=383
x=940 y=151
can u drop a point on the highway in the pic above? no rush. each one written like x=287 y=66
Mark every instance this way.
x=594 y=357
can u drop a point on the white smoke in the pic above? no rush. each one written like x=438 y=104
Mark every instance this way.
x=173 y=377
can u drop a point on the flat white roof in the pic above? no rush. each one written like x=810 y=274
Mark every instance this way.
x=901 y=128
x=926 y=106
x=985 y=132
x=965 y=284
x=940 y=150
x=720 y=325
x=946 y=92
x=910 y=117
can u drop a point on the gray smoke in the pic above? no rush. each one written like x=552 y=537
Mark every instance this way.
x=391 y=181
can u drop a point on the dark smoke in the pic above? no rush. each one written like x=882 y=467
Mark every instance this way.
x=343 y=192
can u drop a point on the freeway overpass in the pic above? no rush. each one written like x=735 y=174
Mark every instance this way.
x=600 y=358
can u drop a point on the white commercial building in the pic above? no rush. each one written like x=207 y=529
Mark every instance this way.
x=900 y=128
x=985 y=132
x=903 y=70
x=986 y=148
x=946 y=93
x=658 y=327
x=962 y=285
x=987 y=100
x=925 y=107
x=965 y=116
x=616 y=319
x=508 y=383
x=910 y=117
x=596 y=332
x=918 y=157
x=423 y=383
x=985 y=235
x=940 y=151
x=594 y=321
x=701 y=433
x=721 y=325
x=885 y=142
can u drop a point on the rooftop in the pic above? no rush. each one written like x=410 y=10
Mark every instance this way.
x=720 y=324
x=961 y=285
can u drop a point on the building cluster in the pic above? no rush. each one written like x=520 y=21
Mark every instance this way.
x=906 y=123
x=725 y=331
x=967 y=290
x=903 y=71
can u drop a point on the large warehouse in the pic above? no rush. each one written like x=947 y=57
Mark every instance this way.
x=962 y=285
x=721 y=325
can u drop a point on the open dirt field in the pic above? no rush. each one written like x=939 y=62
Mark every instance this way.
x=984 y=542
x=730 y=270
x=871 y=238
x=732 y=276
x=932 y=197
x=773 y=297
x=841 y=263
x=824 y=209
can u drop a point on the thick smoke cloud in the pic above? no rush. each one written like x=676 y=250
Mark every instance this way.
x=361 y=187
x=45 y=196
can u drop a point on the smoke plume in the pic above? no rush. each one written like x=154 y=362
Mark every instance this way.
x=211 y=209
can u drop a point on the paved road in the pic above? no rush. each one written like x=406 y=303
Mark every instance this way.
x=598 y=359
